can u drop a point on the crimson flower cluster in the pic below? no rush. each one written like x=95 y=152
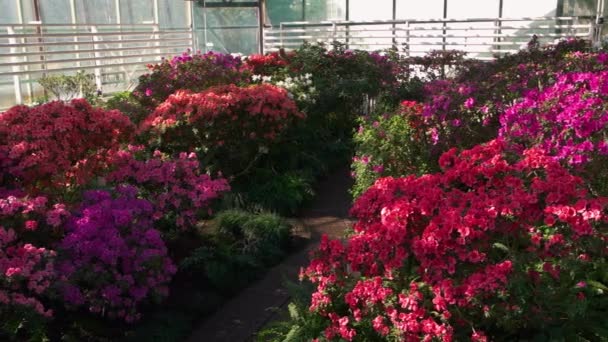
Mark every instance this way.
x=57 y=143
x=112 y=257
x=230 y=125
x=266 y=64
x=462 y=253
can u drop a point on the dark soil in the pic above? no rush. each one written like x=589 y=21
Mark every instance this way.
x=241 y=317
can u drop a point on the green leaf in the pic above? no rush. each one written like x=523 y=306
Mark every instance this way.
x=501 y=246
x=293 y=311
x=597 y=284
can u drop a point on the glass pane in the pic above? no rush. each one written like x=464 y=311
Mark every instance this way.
x=57 y=12
x=28 y=10
x=242 y=40
x=96 y=12
x=411 y=9
x=237 y=16
x=136 y=11
x=284 y=10
x=8 y=14
x=371 y=10
x=227 y=1
x=580 y=7
x=172 y=14
x=461 y=9
x=527 y=8
x=321 y=10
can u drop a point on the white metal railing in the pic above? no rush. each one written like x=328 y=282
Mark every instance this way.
x=481 y=38
x=114 y=53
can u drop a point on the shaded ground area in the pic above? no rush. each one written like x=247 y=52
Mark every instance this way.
x=240 y=318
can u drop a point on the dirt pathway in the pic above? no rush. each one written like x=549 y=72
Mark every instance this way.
x=241 y=317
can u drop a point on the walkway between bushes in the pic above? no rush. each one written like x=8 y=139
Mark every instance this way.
x=244 y=315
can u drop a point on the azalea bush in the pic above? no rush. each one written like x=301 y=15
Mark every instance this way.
x=112 y=258
x=34 y=219
x=462 y=108
x=494 y=247
x=390 y=145
x=567 y=120
x=189 y=71
x=57 y=144
x=268 y=64
x=26 y=274
x=179 y=191
x=30 y=226
x=230 y=127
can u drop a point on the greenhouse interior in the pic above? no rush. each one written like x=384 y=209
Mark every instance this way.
x=303 y=170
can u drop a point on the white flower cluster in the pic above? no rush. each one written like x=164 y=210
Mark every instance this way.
x=299 y=87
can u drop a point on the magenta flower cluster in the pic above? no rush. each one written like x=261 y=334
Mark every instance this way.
x=113 y=258
x=567 y=120
x=176 y=187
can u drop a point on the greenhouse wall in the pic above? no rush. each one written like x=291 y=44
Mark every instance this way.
x=234 y=26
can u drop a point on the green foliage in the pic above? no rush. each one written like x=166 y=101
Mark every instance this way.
x=281 y=193
x=264 y=236
x=222 y=267
x=22 y=324
x=65 y=87
x=128 y=104
x=167 y=326
x=387 y=145
x=244 y=244
x=299 y=325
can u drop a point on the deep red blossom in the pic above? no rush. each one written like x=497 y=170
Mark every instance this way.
x=57 y=143
x=456 y=233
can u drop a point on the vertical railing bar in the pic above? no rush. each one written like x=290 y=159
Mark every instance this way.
x=407 y=39
x=97 y=71
x=16 y=78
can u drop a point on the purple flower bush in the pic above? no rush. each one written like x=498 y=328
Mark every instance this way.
x=567 y=119
x=192 y=71
x=112 y=257
x=177 y=188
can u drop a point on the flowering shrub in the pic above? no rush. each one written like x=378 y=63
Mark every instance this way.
x=230 y=125
x=33 y=219
x=300 y=88
x=567 y=120
x=26 y=266
x=463 y=110
x=26 y=272
x=268 y=64
x=175 y=186
x=58 y=144
x=489 y=248
x=390 y=145
x=190 y=71
x=112 y=257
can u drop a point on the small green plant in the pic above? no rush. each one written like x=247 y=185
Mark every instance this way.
x=299 y=324
x=66 y=87
x=282 y=193
x=128 y=104
x=243 y=245
x=264 y=236
x=390 y=145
